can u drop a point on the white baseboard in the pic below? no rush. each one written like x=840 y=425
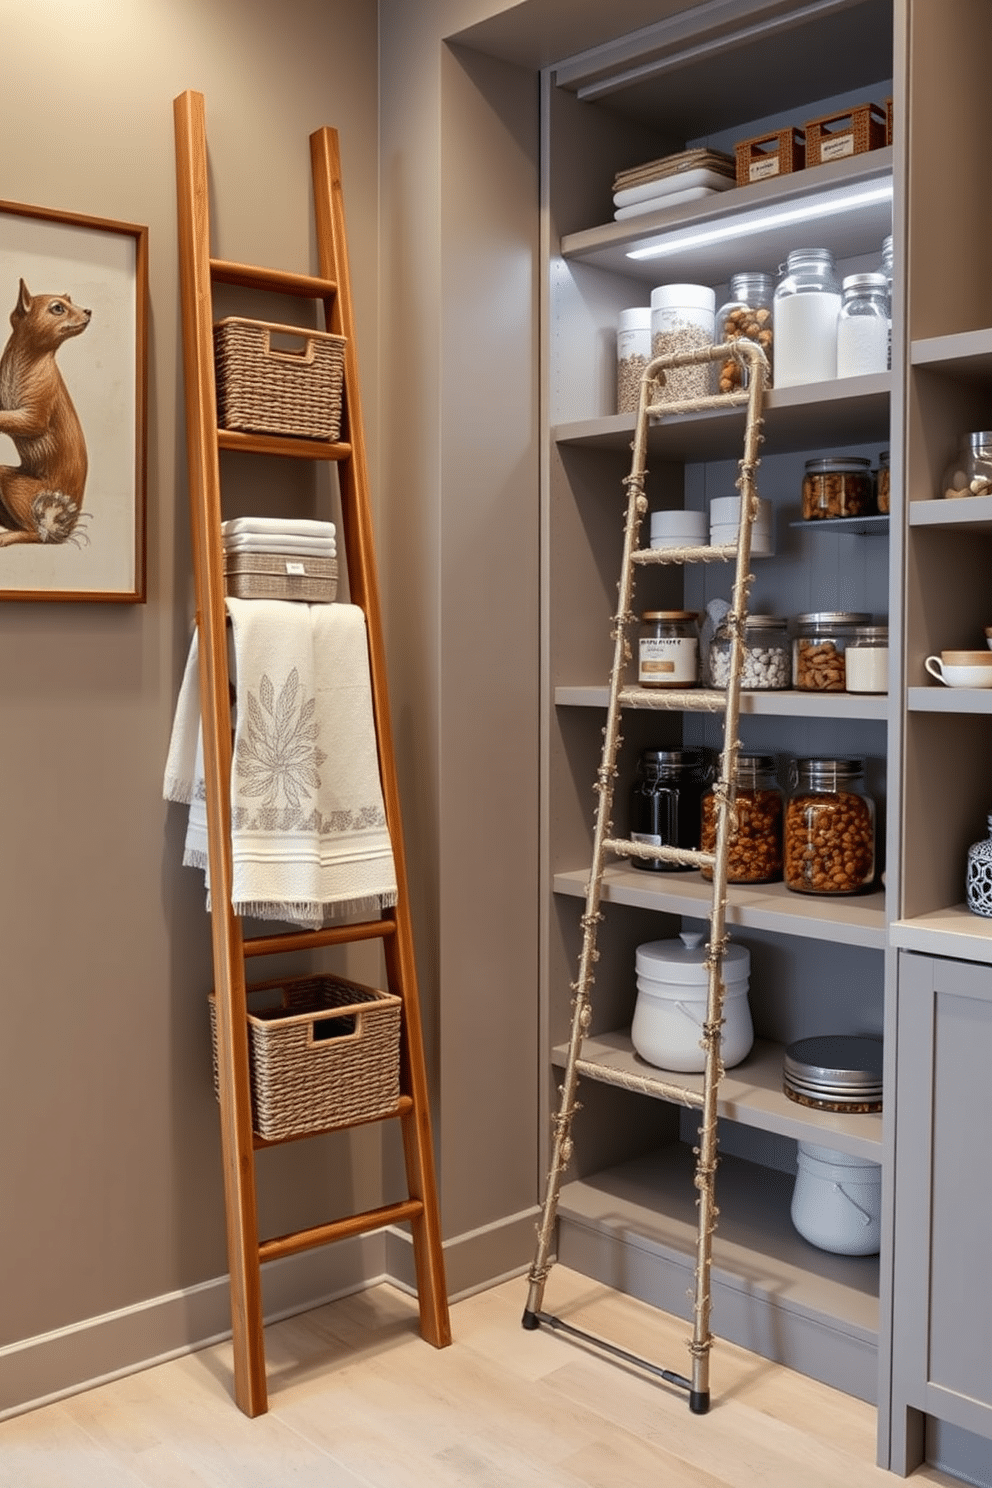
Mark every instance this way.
x=50 y=1366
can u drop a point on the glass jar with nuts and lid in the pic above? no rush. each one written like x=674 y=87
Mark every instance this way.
x=754 y=849
x=829 y=837
x=882 y=483
x=970 y=473
x=747 y=314
x=837 y=486
x=819 y=646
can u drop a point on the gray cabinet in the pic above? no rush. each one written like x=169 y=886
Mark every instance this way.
x=942 y=1320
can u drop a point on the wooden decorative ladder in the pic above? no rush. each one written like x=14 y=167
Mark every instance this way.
x=752 y=362
x=231 y=949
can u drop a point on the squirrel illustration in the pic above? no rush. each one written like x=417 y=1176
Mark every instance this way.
x=40 y=499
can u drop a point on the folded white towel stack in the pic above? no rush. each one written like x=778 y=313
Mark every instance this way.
x=309 y=838
x=292 y=536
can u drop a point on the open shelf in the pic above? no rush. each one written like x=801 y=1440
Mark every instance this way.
x=968 y=353
x=874 y=526
x=857 y=919
x=968 y=513
x=786 y=704
x=954 y=931
x=750 y=1093
x=774 y=1293
x=844 y=411
x=940 y=699
x=850 y=200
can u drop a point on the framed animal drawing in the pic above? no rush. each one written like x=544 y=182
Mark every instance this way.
x=73 y=395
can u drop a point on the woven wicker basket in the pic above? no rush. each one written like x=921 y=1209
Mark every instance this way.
x=324 y=1053
x=776 y=154
x=265 y=389
x=279 y=576
x=850 y=132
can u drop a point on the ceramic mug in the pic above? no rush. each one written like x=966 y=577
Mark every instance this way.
x=961 y=668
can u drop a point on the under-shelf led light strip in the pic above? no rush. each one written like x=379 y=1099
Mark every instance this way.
x=757 y=222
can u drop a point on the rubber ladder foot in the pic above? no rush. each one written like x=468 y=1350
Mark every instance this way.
x=699 y=1402
x=530 y=1320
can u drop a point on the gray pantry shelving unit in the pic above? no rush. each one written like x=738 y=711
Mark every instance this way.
x=716 y=73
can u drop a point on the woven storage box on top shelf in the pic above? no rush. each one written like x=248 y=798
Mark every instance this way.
x=848 y=132
x=280 y=576
x=766 y=155
x=290 y=387
x=324 y=1053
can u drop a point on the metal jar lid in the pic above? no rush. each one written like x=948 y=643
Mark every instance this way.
x=822 y=618
x=837 y=465
x=849 y=1064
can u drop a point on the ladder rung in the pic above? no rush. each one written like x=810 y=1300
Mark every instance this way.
x=403 y=1108
x=311 y=940
x=643 y=1084
x=688 y=857
x=715 y=401
x=722 y=553
x=696 y=699
x=282 y=444
x=280 y=281
x=339 y=1229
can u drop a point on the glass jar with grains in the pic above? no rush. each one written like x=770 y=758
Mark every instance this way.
x=682 y=320
x=819 y=648
x=747 y=313
x=882 y=485
x=829 y=845
x=754 y=849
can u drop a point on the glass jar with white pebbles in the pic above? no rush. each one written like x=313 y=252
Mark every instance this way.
x=767 y=664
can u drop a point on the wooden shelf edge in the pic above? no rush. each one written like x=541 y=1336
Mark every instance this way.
x=954 y=932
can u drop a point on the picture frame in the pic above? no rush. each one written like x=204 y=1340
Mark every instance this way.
x=73 y=406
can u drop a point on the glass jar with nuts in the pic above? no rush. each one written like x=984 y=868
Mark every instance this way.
x=841 y=486
x=829 y=838
x=747 y=314
x=970 y=474
x=882 y=483
x=819 y=647
x=754 y=853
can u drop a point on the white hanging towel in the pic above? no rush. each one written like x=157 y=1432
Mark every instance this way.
x=309 y=839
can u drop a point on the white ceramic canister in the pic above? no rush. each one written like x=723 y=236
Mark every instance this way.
x=678 y=529
x=837 y=1200
x=672 y=985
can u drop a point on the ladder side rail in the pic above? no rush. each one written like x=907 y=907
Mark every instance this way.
x=592 y=915
x=364 y=588
x=234 y=1086
x=706 y=1161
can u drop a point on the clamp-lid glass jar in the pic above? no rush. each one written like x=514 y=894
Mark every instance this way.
x=837 y=486
x=668 y=649
x=819 y=647
x=882 y=483
x=754 y=849
x=748 y=314
x=971 y=473
x=767 y=664
x=807 y=303
x=829 y=828
x=665 y=803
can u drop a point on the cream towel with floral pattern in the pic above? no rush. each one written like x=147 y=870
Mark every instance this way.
x=308 y=828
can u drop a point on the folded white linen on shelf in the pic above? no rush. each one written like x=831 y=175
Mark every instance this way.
x=662 y=203
x=294 y=547
x=309 y=839
x=672 y=185
x=278 y=526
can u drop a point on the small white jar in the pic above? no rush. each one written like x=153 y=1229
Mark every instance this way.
x=837 y=1200
x=633 y=355
x=672 y=987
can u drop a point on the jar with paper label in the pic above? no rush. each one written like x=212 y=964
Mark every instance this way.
x=863 y=326
x=665 y=803
x=747 y=314
x=806 y=307
x=633 y=355
x=754 y=849
x=829 y=843
x=682 y=320
x=819 y=649
x=668 y=649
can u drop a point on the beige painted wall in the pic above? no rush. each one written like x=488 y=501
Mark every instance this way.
x=109 y=1173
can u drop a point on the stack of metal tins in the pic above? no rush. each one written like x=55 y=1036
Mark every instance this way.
x=835 y=1072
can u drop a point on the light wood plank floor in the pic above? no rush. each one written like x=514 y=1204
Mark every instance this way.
x=358 y=1400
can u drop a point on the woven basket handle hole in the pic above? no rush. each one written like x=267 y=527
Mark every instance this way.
x=333 y=1028
x=287 y=347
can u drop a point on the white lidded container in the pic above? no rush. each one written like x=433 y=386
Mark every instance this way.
x=678 y=529
x=837 y=1200
x=682 y=320
x=672 y=986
